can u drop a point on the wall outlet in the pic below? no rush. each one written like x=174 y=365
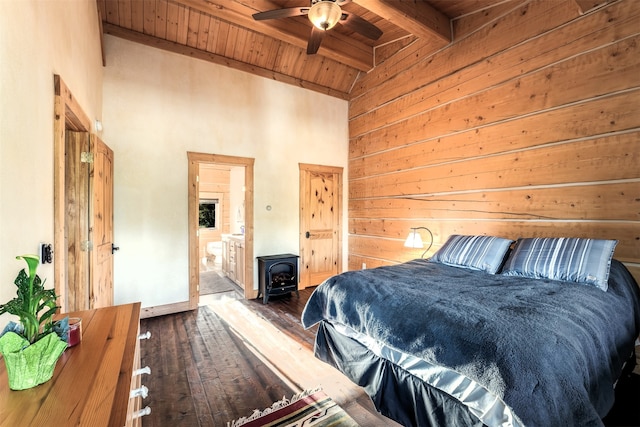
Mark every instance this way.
x=364 y=265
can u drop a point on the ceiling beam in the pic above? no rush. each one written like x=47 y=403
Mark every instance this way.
x=294 y=31
x=417 y=17
x=104 y=58
x=191 y=52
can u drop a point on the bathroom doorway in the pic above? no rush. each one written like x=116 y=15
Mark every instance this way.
x=220 y=227
x=220 y=224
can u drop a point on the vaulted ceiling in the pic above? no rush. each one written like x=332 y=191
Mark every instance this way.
x=224 y=32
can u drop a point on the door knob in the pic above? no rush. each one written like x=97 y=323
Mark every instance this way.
x=307 y=234
x=114 y=248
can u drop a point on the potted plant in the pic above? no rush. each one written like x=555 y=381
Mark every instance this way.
x=31 y=348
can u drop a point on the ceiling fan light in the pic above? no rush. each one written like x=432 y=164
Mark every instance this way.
x=325 y=14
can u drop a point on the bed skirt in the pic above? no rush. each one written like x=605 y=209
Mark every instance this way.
x=395 y=393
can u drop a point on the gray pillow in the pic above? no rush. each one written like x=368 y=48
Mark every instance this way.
x=484 y=253
x=569 y=259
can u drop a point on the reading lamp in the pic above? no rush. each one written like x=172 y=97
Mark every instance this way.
x=414 y=239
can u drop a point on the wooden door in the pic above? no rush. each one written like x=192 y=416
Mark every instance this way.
x=76 y=232
x=320 y=223
x=101 y=219
x=83 y=208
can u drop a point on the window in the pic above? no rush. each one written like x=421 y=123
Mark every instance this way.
x=208 y=215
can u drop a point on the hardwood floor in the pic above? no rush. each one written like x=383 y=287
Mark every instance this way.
x=231 y=356
x=207 y=370
x=202 y=374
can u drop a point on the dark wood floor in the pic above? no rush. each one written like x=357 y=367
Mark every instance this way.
x=205 y=373
x=202 y=374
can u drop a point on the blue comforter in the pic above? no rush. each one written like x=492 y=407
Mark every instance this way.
x=550 y=350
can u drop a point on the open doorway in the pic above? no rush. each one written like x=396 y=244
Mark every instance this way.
x=221 y=238
x=220 y=224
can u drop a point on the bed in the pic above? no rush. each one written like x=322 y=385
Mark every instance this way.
x=469 y=339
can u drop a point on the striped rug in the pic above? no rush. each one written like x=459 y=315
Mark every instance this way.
x=312 y=408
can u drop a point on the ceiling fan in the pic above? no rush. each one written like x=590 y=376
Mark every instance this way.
x=324 y=15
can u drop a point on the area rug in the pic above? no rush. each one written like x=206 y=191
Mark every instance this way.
x=310 y=408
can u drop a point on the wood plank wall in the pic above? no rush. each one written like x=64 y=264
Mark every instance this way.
x=527 y=124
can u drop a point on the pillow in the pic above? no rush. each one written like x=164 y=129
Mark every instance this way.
x=568 y=259
x=484 y=253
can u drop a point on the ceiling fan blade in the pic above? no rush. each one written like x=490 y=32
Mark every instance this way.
x=280 y=13
x=314 y=40
x=359 y=25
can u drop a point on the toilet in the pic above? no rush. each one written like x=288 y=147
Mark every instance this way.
x=214 y=254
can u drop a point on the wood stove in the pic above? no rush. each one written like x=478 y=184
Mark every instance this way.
x=277 y=275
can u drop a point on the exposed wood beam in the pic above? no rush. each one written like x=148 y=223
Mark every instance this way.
x=293 y=31
x=104 y=59
x=217 y=59
x=417 y=17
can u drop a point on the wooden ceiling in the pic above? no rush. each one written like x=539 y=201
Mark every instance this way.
x=224 y=32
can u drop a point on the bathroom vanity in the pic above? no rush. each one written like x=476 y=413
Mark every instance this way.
x=233 y=257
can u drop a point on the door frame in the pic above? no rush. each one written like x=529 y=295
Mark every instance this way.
x=194 y=160
x=67 y=115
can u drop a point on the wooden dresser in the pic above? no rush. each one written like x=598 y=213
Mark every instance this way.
x=92 y=382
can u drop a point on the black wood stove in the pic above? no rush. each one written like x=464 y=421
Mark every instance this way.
x=277 y=275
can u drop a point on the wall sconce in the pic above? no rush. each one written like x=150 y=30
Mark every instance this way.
x=414 y=239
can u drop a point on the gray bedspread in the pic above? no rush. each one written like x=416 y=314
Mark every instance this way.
x=551 y=350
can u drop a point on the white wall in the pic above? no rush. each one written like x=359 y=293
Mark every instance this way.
x=158 y=106
x=37 y=40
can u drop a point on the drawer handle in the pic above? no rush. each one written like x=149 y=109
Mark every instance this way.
x=142 y=412
x=144 y=336
x=145 y=370
x=142 y=391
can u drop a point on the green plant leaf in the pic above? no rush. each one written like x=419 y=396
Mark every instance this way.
x=33 y=304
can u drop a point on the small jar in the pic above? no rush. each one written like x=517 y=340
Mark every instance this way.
x=75 y=331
